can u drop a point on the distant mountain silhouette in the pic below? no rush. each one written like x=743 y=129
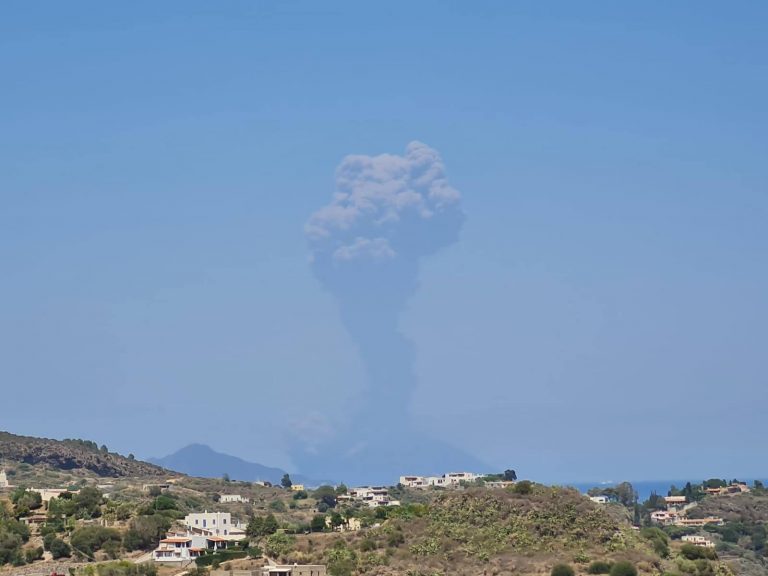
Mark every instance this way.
x=201 y=460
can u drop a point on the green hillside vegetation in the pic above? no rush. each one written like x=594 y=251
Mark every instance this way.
x=473 y=531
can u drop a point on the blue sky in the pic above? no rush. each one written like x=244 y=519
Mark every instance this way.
x=158 y=162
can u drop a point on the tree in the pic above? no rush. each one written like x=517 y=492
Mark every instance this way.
x=510 y=475
x=225 y=477
x=261 y=526
x=104 y=449
x=317 y=524
x=131 y=457
x=341 y=560
x=279 y=544
x=145 y=532
x=59 y=549
x=24 y=501
x=286 y=482
x=336 y=520
x=523 y=488
x=562 y=570
x=655 y=502
x=85 y=541
x=325 y=494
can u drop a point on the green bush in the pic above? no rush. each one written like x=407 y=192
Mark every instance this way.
x=693 y=552
x=562 y=570
x=33 y=554
x=523 y=487
x=623 y=568
x=85 y=541
x=599 y=567
x=658 y=540
x=219 y=557
x=59 y=549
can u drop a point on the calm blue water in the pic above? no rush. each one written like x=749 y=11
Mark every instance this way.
x=646 y=487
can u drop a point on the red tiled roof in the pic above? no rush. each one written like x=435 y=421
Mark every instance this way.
x=176 y=540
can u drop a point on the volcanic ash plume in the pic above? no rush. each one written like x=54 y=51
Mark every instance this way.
x=388 y=212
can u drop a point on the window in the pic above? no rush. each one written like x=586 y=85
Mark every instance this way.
x=225 y=520
x=204 y=523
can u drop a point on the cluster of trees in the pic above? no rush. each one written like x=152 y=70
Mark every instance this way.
x=508 y=475
x=13 y=536
x=89 y=444
x=24 y=501
x=623 y=493
x=261 y=526
x=750 y=535
x=85 y=505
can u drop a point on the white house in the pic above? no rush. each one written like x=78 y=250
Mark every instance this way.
x=4 y=480
x=209 y=523
x=664 y=517
x=225 y=498
x=448 y=480
x=599 y=499
x=374 y=496
x=698 y=541
x=176 y=549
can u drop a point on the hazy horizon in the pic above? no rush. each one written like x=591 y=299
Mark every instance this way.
x=542 y=233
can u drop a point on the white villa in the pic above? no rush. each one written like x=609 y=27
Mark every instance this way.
x=698 y=541
x=374 y=496
x=214 y=524
x=226 y=498
x=449 y=480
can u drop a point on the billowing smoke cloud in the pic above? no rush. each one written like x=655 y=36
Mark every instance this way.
x=387 y=207
x=387 y=214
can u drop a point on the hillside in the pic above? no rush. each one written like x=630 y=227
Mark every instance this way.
x=204 y=462
x=71 y=456
x=751 y=507
x=481 y=531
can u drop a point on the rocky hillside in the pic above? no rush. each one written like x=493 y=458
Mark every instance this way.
x=751 y=508
x=71 y=455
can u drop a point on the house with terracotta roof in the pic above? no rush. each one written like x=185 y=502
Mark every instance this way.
x=176 y=549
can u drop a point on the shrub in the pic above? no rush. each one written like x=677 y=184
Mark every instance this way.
x=88 y=540
x=33 y=554
x=693 y=552
x=599 y=567
x=214 y=560
x=523 y=487
x=59 y=549
x=562 y=570
x=658 y=539
x=623 y=568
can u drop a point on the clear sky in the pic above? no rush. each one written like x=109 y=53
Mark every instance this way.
x=602 y=314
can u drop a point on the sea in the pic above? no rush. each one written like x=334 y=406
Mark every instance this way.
x=645 y=488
